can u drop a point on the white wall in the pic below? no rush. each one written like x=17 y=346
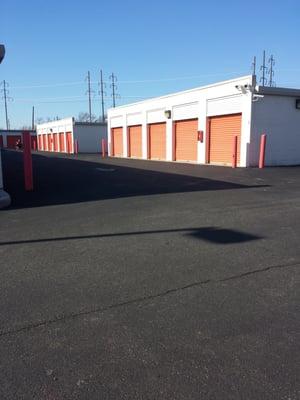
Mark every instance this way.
x=57 y=126
x=278 y=117
x=89 y=137
x=217 y=99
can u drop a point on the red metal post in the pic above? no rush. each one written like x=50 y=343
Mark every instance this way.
x=262 y=150
x=234 y=151
x=103 y=147
x=76 y=146
x=27 y=157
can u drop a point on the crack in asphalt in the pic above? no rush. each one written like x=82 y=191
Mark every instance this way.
x=143 y=299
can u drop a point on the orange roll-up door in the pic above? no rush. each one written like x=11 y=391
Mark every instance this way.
x=157 y=141
x=55 y=141
x=62 y=142
x=186 y=140
x=222 y=129
x=49 y=142
x=117 y=142
x=69 y=142
x=45 y=143
x=135 y=141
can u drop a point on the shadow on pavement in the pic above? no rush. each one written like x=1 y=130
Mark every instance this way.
x=209 y=234
x=64 y=180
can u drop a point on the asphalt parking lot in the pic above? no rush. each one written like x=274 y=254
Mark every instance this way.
x=128 y=279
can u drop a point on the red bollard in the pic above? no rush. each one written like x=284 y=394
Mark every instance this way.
x=76 y=146
x=234 y=151
x=103 y=147
x=262 y=150
x=27 y=157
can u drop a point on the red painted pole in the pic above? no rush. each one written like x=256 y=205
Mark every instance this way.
x=103 y=147
x=262 y=150
x=234 y=151
x=76 y=146
x=34 y=144
x=27 y=158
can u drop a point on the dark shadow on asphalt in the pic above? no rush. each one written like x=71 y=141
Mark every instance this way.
x=65 y=180
x=209 y=234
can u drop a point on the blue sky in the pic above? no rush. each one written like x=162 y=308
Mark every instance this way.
x=168 y=45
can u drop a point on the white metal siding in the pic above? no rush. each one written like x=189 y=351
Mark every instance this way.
x=278 y=117
x=223 y=106
x=186 y=111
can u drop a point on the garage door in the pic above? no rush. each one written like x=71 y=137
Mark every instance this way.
x=49 y=142
x=186 y=140
x=117 y=142
x=45 y=143
x=12 y=140
x=135 y=141
x=157 y=141
x=40 y=142
x=55 y=141
x=69 y=142
x=222 y=130
x=62 y=142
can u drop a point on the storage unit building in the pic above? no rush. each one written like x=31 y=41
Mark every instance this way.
x=9 y=138
x=200 y=125
x=59 y=136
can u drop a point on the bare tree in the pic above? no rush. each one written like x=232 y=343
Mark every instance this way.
x=85 y=117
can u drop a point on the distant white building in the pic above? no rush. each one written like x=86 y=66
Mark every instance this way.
x=60 y=136
x=200 y=125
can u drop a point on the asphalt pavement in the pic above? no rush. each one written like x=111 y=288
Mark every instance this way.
x=130 y=279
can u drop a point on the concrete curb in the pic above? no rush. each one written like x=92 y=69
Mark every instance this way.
x=4 y=199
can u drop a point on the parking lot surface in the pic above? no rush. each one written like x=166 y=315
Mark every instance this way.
x=131 y=279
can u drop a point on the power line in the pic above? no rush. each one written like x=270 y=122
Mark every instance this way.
x=89 y=92
x=263 y=68
x=102 y=94
x=271 y=70
x=6 y=98
x=179 y=78
x=253 y=67
x=113 y=87
x=32 y=123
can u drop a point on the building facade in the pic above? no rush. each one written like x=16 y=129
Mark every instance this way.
x=200 y=125
x=60 y=136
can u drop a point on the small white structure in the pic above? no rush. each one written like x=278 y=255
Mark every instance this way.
x=60 y=136
x=200 y=125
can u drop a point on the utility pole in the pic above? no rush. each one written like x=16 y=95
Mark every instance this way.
x=263 y=68
x=89 y=94
x=113 y=86
x=271 y=71
x=6 y=98
x=102 y=93
x=32 y=123
x=254 y=66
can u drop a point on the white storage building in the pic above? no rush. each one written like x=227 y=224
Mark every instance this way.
x=60 y=136
x=201 y=124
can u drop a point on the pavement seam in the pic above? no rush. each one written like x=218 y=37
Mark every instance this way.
x=144 y=298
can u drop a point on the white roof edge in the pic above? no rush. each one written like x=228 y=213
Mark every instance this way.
x=54 y=122
x=277 y=91
x=184 y=91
